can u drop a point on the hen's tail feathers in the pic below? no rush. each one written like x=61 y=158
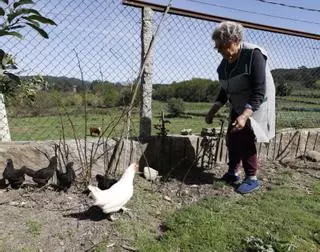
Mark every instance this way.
x=28 y=171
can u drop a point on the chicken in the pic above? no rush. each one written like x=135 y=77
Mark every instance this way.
x=3 y=184
x=95 y=131
x=104 y=182
x=42 y=176
x=66 y=179
x=114 y=198
x=14 y=176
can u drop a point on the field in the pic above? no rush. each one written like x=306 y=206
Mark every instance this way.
x=291 y=112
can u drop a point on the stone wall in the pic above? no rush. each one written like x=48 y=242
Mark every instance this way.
x=168 y=155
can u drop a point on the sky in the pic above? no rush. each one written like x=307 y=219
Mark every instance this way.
x=102 y=37
x=301 y=15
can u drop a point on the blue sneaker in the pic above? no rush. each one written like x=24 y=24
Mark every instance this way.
x=248 y=185
x=231 y=178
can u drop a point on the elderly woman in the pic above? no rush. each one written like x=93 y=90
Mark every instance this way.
x=247 y=84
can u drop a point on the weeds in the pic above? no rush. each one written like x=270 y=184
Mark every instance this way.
x=34 y=227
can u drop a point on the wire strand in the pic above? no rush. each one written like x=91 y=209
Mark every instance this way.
x=289 y=5
x=252 y=12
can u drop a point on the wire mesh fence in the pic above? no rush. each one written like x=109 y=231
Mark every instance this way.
x=93 y=56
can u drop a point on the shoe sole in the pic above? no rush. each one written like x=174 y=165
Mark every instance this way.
x=254 y=189
x=231 y=183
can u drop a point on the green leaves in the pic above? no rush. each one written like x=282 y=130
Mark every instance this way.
x=38 y=29
x=42 y=19
x=18 y=17
x=6 y=63
x=2 y=12
x=20 y=12
x=12 y=76
x=10 y=33
x=6 y=60
x=22 y=2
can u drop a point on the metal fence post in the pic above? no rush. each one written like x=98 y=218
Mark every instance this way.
x=146 y=78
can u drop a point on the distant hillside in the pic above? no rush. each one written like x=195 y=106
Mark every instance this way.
x=306 y=76
x=60 y=82
x=65 y=83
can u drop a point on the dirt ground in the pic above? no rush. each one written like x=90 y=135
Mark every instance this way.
x=34 y=219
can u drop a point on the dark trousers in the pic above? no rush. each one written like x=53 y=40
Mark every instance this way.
x=242 y=148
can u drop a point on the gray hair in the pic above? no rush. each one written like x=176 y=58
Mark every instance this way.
x=228 y=31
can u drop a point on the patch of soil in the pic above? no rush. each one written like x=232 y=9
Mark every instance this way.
x=34 y=219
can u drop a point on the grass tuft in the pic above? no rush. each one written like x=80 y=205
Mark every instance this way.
x=34 y=227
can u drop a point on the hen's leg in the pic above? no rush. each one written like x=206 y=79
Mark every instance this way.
x=124 y=209
x=113 y=216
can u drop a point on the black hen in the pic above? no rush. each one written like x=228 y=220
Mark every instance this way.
x=3 y=184
x=105 y=182
x=42 y=176
x=66 y=179
x=14 y=176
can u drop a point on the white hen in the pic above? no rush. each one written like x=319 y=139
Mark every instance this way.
x=114 y=198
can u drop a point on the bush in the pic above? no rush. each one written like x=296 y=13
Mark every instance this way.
x=111 y=97
x=76 y=99
x=126 y=95
x=94 y=100
x=283 y=89
x=175 y=107
x=317 y=84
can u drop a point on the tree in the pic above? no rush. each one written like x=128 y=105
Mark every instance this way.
x=162 y=92
x=14 y=16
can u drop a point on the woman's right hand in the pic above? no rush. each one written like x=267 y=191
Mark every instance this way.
x=209 y=116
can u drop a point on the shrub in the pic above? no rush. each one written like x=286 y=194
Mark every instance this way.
x=76 y=99
x=317 y=84
x=94 y=100
x=175 y=107
x=283 y=89
x=110 y=97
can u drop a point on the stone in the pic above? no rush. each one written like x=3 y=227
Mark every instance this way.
x=186 y=132
x=150 y=174
x=313 y=156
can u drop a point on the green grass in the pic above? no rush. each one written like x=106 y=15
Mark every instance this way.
x=34 y=227
x=286 y=219
x=49 y=127
x=303 y=100
x=307 y=92
x=297 y=119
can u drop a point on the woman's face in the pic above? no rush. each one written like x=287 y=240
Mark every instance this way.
x=229 y=51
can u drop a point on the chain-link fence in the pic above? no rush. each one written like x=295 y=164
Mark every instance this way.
x=94 y=55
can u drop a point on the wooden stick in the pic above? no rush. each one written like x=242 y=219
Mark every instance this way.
x=315 y=141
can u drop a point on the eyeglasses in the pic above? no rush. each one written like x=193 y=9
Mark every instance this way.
x=221 y=47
